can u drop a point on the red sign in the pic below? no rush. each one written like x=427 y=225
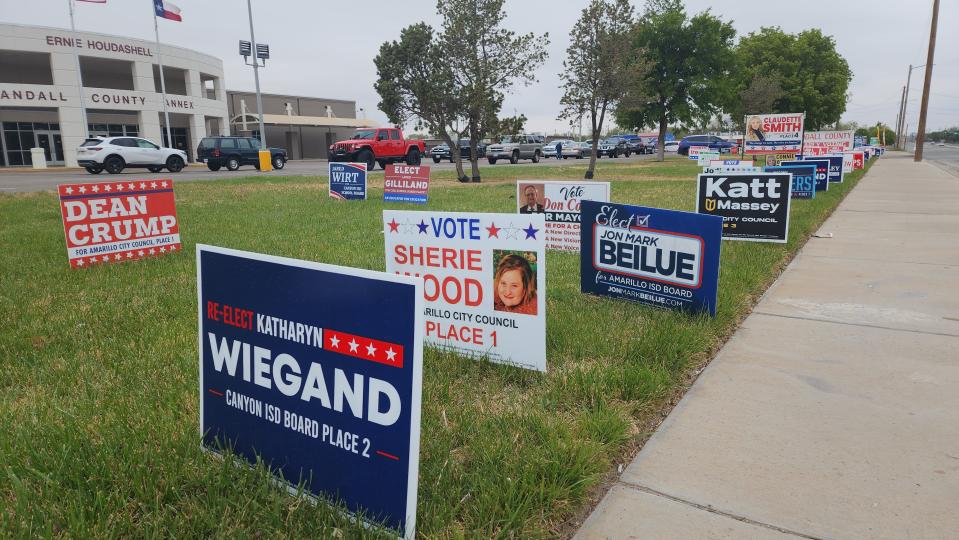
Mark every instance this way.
x=118 y=221
x=406 y=183
x=858 y=157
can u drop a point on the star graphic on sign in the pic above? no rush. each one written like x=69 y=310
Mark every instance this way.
x=95 y=188
x=69 y=190
x=422 y=226
x=140 y=253
x=119 y=187
x=353 y=345
x=105 y=258
x=80 y=262
x=93 y=260
x=143 y=185
x=511 y=232
x=117 y=257
x=163 y=184
x=108 y=188
x=370 y=349
x=334 y=341
x=82 y=189
x=152 y=251
x=530 y=232
x=173 y=247
x=130 y=186
x=390 y=354
x=129 y=254
x=408 y=227
x=163 y=249
x=153 y=184
x=394 y=226
x=492 y=231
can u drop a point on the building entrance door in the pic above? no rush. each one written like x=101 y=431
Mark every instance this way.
x=52 y=145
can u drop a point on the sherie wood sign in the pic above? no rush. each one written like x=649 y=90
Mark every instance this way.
x=118 y=221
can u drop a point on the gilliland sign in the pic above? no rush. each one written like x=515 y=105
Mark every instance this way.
x=406 y=183
x=817 y=143
x=121 y=221
x=316 y=371
x=804 y=179
x=347 y=181
x=484 y=280
x=773 y=133
x=660 y=258
x=559 y=202
x=754 y=207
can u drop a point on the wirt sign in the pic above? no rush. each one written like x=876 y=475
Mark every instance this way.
x=661 y=258
x=754 y=207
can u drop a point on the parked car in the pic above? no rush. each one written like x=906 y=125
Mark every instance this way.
x=234 y=152
x=378 y=146
x=549 y=149
x=577 y=150
x=442 y=151
x=672 y=146
x=613 y=147
x=113 y=154
x=515 y=148
x=713 y=142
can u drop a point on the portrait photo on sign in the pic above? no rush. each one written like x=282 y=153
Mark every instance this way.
x=532 y=199
x=514 y=281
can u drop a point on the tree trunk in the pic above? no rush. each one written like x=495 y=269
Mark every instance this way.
x=455 y=154
x=474 y=159
x=662 y=138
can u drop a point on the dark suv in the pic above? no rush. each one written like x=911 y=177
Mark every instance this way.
x=713 y=142
x=233 y=152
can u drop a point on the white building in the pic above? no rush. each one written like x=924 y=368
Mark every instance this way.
x=40 y=95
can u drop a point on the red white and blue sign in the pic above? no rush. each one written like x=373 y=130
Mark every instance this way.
x=835 y=167
x=803 y=179
x=822 y=170
x=347 y=181
x=406 y=183
x=661 y=258
x=317 y=371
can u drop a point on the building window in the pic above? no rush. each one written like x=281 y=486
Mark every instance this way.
x=112 y=130
x=106 y=73
x=22 y=67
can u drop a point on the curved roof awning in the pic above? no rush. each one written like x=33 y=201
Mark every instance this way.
x=322 y=121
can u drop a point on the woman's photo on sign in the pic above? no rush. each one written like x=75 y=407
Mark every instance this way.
x=514 y=281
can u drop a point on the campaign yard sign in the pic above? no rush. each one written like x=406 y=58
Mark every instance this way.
x=406 y=183
x=754 y=207
x=859 y=140
x=704 y=158
x=818 y=143
x=728 y=162
x=317 y=370
x=835 y=167
x=732 y=168
x=694 y=151
x=803 y=179
x=118 y=221
x=773 y=133
x=847 y=162
x=347 y=181
x=661 y=258
x=559 y=202
x=822 y=171
x=484 y=280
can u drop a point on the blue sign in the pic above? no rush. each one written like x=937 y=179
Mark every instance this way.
x=822 y=170
x=859 y=140
x=316 y=370
x=347 y=181
x=661 y=258
x=804 y=179
x=835 y=167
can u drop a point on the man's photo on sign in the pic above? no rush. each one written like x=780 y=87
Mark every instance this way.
x=532 y=199
x=514 y=282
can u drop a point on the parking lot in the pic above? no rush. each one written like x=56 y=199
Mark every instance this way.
x=18 y=180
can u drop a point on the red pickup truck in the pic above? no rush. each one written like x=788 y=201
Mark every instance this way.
x=378 y=145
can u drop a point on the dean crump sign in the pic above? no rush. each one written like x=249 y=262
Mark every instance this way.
x=316 y=370
x=754 y=207
x=661 y=258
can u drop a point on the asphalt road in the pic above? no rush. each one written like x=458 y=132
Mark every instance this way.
x=946 y=157
x=20 y=180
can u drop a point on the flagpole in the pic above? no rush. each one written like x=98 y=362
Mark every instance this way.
x=166 y=114
x=76 y=60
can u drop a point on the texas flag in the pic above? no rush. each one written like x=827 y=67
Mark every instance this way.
x=167 y=10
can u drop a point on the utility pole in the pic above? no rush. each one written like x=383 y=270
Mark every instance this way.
x=902 y=108
x=921 y=130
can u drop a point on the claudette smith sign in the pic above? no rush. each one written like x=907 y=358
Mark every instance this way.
x=661 y=258
x=118 y=221
x=317 y=371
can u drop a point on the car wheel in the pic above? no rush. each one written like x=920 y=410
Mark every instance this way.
x=626 y=154
x=278 y=163
x=94 y=170
x=232 y=163
x=114 y=164
x=365 y=156
x=213 y=166
x=154 y=169
x=413 y=158
x=174 y=164
x=436 y=160
x=492 y=161
x=536 y=157
x=514 y=157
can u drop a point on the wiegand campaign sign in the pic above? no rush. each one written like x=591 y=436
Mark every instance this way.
x=817 y=143
x=773 y=133
x=118 y=221
x=316 y=370
x=822 y=171
x=754 y=207
x=347 y=181
x=484 y=280
x=559 y=202
x=803 y=179
x=661 y=258
x=406 y=183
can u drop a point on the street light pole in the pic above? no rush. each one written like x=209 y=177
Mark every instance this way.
x=256 y=77
x=921 y=130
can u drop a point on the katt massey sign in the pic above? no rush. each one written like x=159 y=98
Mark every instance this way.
x=316 y=370
x=118 y=221
x=406 y=183
x=484 y=280
x=660 y=258
x=754 y=207
x=347 y=181
x=559 y=202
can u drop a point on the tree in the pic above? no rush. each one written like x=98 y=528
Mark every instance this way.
x=510 y=125
x=760 y=95
x=872 y=131
x=415 y=84
x=689 y=60
x=599 y=66
x=486 y=61
x=814 y=77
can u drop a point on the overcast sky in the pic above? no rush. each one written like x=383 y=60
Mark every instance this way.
x=325 y=48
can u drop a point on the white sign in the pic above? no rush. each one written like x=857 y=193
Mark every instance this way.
x=704 y=158
x=817 y=143
x=774 y=133
x=694 y=151
x=559 y=202
x=484 y=280
x=732 y=169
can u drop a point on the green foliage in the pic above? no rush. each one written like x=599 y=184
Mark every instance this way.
x=511 y=125
x=871 y=131
x=950 y=135
x=813 y=76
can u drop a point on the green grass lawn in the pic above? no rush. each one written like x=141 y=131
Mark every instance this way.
x=98 y=369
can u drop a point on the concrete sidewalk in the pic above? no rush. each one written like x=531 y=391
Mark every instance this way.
x=834 y=411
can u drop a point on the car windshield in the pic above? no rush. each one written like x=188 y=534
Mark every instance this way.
x=365 y=134
x=207 y=143
x=507 y=140
x=91 y=142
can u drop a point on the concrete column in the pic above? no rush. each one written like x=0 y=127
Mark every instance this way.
x=194 y=87
x=150 y=126
x=218 y=89
x=72 y=130
x=197 y=132
x=143 y=77
x=224 y=126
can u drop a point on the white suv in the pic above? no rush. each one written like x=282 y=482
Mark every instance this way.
x=116 y=153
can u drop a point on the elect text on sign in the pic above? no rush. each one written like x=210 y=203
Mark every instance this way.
x=406 y=183
x=560 y=203
x=754 y=207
